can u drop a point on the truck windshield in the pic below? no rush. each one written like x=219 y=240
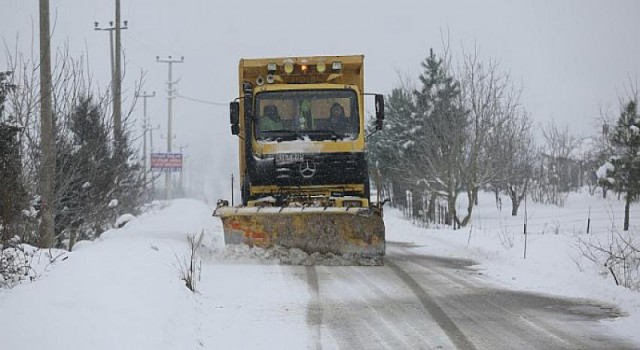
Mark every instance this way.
x=307 y=114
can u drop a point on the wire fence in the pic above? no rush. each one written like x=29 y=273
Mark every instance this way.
x=539 y=218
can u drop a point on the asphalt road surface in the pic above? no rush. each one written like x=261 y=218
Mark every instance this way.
x=425 y=302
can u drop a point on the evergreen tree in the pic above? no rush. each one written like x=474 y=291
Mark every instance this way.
x=12 y=192
x=624 y=175
x=388 y=147
x=5 y=88
x=421 y=148
x=438 y=158
x=94 y=185
x=84 y=175
x=129 y=186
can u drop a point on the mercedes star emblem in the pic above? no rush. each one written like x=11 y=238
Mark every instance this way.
x=307 y=169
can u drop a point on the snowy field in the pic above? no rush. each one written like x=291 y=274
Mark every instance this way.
x=124 y=291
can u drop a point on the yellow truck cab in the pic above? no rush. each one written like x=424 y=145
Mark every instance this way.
x=291 y=147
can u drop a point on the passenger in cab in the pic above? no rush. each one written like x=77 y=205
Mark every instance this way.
x=270 y=119
x=336 y=117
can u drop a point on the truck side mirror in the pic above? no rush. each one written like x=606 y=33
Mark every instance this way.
x=379 y=111
x=234 y=117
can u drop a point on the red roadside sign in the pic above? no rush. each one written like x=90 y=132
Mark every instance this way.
x=166 y=162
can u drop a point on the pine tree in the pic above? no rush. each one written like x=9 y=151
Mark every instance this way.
x=422 y=145
x=12 y=192
x=387 y=148
x=83 y=177
x=91 y=177
x=438 y=160
x=624 y=175
x=5 y=88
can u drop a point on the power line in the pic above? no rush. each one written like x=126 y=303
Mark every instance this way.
x=203 y=101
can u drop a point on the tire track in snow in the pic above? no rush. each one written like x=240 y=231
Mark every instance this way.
x=496 y=318
x=448 y=326
x=314 y=310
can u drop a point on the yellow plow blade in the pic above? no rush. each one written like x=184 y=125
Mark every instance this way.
x=341 y=231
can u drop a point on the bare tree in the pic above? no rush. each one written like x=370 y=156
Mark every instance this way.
x=516 y=158
x=597 y=153
x=559 y=142
x=495 y=119
x=557 y=171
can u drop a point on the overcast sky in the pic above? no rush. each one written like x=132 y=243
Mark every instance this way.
x=572 y=58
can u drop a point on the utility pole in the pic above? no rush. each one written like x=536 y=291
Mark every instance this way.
x=145 y=127
x=170 y=61
x=117 y=104
x=116 y=77
x=48 y=162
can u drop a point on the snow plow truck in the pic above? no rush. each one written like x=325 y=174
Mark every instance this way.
x=304 y=179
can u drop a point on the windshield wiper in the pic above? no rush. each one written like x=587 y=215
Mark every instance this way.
x=278 y=135
x=321 y=132
x=289 y=135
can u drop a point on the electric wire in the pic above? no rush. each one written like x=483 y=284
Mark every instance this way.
x=193 y=99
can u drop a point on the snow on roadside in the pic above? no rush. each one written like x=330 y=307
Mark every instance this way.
x=553 y=265
x=23 y=262
x=120 y=292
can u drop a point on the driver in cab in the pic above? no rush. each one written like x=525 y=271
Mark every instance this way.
x=270 y=119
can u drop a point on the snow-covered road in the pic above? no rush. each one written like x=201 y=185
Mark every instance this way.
x=124 y=292
x=415 y=301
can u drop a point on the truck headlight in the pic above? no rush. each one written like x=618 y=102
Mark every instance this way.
x=288 y=67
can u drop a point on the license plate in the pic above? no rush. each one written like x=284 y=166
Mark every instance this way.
x=290 y=158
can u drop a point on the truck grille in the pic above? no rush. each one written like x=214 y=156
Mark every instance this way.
x=312 y=169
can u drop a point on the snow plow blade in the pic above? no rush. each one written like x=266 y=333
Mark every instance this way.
x=349 y=232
